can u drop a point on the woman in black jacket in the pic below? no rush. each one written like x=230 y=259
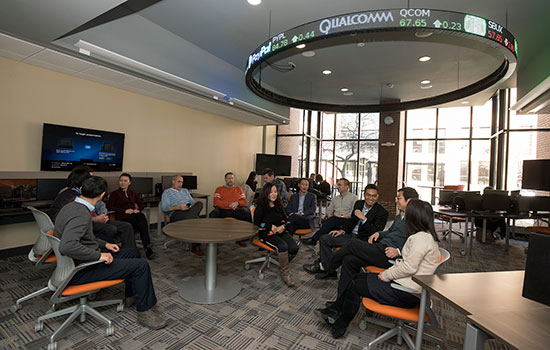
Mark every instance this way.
x=271 y=218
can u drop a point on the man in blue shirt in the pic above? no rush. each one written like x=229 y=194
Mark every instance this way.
x=179 y=205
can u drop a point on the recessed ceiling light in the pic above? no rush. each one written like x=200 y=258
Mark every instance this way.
x=254 y=2
x=423 y=34
x=425 y=81
x=308 y=53
x=300 y=46
x=327 y=72
x=425 y=86
x=344 y=89
x=424 y=58
x=349 y=93
x=465 y=102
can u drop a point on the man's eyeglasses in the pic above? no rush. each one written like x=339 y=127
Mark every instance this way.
x=371 y=195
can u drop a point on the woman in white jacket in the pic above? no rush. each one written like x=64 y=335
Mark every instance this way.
x=420 y=256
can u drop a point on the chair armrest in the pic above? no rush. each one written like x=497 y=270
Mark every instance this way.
x=392 y=261
x=404 y=289
x=85 y=265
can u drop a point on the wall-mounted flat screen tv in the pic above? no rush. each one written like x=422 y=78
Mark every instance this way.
x=64 y=147
x=536 y=174
x=279 y=164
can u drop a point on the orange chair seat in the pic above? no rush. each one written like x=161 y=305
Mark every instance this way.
x=337 y=249
x=374 y=269
x=229 y=218
x=303 y=231
x=455 y=219
x=539 y=229
x=261 y=244
x=49 y=259
x=393 y=311
x=87 y=287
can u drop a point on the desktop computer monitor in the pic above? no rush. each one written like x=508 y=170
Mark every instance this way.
x=142 y=185
x=495 y=200
x=446 y=197
x=47 y=189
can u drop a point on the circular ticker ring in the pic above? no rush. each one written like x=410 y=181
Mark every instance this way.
x=394 y=25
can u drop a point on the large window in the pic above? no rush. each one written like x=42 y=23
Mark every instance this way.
x=444 y=140
x=333 y=145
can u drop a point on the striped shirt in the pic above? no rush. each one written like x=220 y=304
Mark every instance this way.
x=172 y=197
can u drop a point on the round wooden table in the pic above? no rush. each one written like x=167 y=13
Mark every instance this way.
x=208 y=289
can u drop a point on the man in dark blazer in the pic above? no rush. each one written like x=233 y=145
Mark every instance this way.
x=301 y=207
x=367 y=218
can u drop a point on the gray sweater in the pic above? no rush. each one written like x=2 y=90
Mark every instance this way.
x=73 y=226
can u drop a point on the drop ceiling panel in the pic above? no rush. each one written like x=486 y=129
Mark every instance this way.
x=143 y=85
x=58 y=61
x=16 y=49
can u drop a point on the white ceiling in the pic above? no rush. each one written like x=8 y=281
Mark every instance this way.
x=208 y=41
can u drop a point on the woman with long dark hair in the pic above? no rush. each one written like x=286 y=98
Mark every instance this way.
x=270 y=217
x=249 y=188
x=420 y=256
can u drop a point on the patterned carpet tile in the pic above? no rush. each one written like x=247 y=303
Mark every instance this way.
x=266 y=315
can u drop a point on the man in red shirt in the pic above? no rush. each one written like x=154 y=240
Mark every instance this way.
x=230 y=201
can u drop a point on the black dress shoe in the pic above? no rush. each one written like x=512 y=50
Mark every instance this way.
x=337 y=333
x=312 y=268
x=328 y=315
x=149 y=254
x=308 y=241
x=326 y=276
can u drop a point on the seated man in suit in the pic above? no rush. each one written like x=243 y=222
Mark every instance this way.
x=230 y=201
x=338 y=211
x=380 y=247
x=368 y=217
x=177 y=202
x=301 y=207
x=74 y=228
x=103 y=228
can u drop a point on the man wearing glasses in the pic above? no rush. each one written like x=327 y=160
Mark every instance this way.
x=367 y=218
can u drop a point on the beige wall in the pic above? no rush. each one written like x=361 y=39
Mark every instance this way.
x=160 y=136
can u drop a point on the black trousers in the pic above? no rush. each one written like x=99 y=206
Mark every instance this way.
x=333 y=223
x=242 y=214
x=109 y=230
x=354 y=255
x=326 y=245
x=368 y=285
x=191 y=213
x=299 y=221
x=140 y=224
x=282 y=243
x=126 y=264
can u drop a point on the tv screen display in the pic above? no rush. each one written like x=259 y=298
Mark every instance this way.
x=535 y=175
x=279 y=164
x=64 y=147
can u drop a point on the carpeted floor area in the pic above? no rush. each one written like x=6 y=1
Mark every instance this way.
x=265 y=315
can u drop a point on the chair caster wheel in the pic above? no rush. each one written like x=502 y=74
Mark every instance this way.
x=38 y=327
x=52 y=346
x=462 y=253
x=247 y=266
x=362 y=325
x=120 y=308
x=110 y=331
x=14 y=308
x=261 y=276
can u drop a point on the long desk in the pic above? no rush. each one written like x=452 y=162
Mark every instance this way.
x=494 y=307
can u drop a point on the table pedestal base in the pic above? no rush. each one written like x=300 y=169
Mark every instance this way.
x=195 y=291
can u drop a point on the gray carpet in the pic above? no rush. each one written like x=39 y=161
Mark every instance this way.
x=265 y=315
